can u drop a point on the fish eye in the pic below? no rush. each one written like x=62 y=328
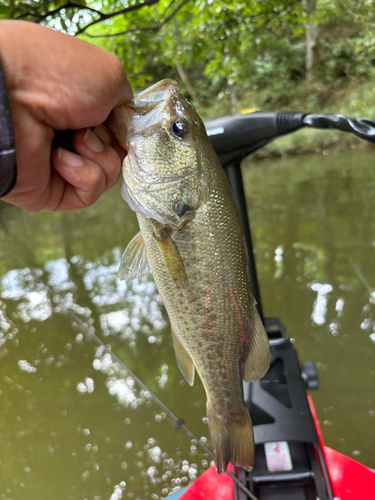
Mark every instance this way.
x=179 y=127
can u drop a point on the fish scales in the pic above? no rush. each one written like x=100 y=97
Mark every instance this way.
x=192 y=239
x=198 y=324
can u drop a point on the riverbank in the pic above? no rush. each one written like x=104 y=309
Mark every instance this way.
x=352 y=99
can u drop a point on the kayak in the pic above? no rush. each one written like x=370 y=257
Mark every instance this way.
x=349 y=479
x=291 y=459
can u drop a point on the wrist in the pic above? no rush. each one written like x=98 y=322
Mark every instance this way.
x=8 y=51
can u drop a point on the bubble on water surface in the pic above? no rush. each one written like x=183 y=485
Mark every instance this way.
x=25 y=366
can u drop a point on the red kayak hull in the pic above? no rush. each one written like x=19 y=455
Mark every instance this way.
x=349 y=479
x=210 y=486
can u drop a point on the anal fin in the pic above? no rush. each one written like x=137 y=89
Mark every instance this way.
x=258 y=359
x=183 y=360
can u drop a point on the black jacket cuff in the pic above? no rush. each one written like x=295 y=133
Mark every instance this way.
x=8 y=170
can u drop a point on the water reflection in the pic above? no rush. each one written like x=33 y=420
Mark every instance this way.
x=313 y=217
x=320 y=305
x=67 y=407
x=125 y=389
x=78 y=406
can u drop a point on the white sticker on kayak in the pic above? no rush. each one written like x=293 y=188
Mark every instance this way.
x=215 y=131
x=278 y=456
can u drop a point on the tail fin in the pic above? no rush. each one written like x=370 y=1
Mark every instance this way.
x=231 y=440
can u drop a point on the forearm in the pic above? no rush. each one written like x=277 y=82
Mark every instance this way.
x=8 y=172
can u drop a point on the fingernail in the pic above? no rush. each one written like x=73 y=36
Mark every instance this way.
x=92 y=142
x=68 y=158
x=103 y=134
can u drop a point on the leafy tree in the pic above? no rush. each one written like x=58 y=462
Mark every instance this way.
x=212 y=45
x=222 y=49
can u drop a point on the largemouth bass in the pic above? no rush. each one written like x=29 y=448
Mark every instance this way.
x=191 y=238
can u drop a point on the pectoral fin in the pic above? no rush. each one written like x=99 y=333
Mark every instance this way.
x=134 y=262
x=172 y=259
x=258 y=359
x=183 y=360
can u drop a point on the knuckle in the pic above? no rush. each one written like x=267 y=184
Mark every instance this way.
x=110 y=165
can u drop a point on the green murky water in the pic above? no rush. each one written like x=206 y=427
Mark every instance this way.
x=74 y=426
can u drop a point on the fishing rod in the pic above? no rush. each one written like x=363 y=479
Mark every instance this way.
x=237 y=136
x=179 y=424
x=365 y=283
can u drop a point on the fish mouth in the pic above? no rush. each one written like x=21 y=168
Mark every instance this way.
x=142 y=112
x=154 y=95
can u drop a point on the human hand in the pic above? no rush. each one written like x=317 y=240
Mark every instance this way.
x=57 y=82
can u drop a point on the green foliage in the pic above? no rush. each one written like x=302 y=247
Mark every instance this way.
x=222 y=52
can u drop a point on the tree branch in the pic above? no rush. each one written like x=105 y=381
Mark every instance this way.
x=73 y=5
x=168 y=7
x=125 y=10
x=174 y=12
x=155 y=28
x=185 y=79
x=126 y=32
x=69 y=5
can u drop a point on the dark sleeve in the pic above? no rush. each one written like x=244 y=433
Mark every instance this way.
x=8 y=171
